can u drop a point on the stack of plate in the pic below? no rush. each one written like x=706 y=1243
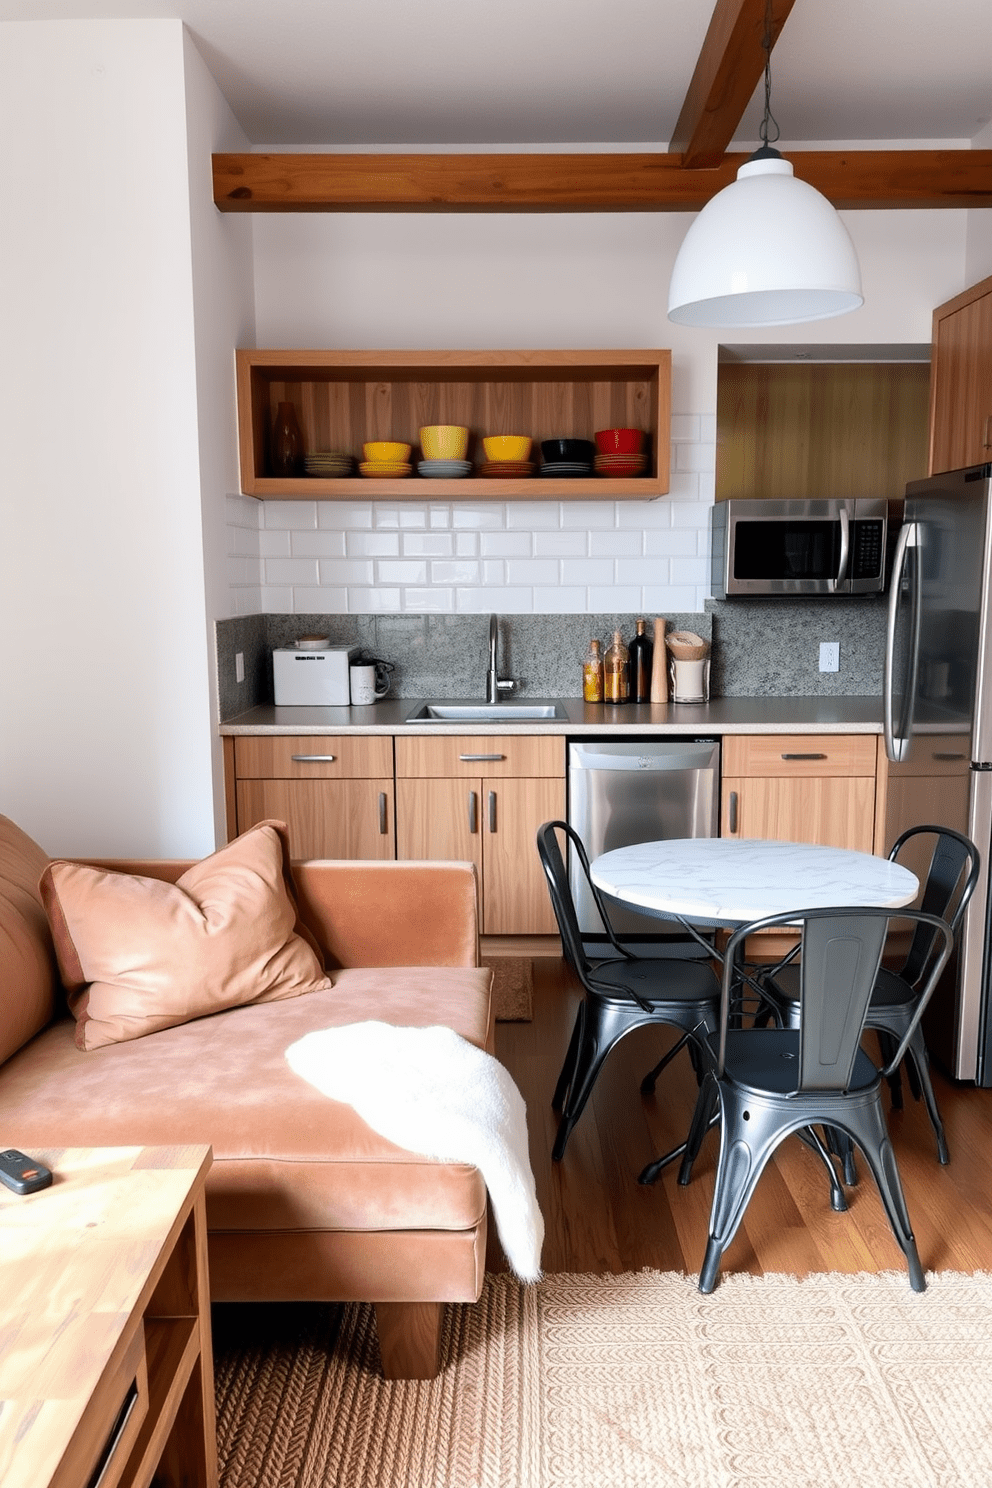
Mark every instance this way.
x=444 y=469
x=507 y=469
x=328 y=464
x=621 y=465
x=566 y=468
x=385 y=469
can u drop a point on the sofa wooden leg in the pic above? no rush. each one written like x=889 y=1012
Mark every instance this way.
x=409 y=1338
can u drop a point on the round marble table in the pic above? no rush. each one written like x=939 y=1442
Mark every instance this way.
x=732 y=880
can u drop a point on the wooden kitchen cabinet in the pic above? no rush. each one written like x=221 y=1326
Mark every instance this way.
x=482 y=799
x=335 y=794
x=961 y=381
x=343 y=398
x=800 y=788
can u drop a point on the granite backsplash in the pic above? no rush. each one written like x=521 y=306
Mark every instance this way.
x=760 y=648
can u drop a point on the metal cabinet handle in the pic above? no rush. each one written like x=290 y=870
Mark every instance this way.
x=732 y=824
x=473 y=811
x=803 y=756
x=492 y=811
x=383 y=827
x=470 y=759
x=314 y=759
x=987 y=440
x=948 y=756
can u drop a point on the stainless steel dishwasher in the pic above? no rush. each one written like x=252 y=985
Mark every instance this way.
x=622 y=792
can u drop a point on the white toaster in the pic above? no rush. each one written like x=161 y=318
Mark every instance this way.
x=315 y=679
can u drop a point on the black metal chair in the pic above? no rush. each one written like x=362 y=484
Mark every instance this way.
x=766 y=1083
x=949 y=883
x=622 y=992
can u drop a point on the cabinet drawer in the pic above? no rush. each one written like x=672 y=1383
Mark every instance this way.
x=472 y=755
x=313 y=757
x=786 y=755
x=936 y=754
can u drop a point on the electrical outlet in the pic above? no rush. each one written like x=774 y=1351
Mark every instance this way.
x=239 y=666
x=830 y=656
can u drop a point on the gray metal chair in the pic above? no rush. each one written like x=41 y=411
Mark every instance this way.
x=622 y=992
x=766 y=1083
x=948 y=886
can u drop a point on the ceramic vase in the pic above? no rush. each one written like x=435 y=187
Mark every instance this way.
x=287 y=443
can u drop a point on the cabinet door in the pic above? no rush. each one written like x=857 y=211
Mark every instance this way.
x=439 y=819
x=326 y=818
x=961 y=400
x=515 y=892
x=837 y=811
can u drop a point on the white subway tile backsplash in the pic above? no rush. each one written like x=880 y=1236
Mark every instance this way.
x=471 y=556
x=506 y=544
x=317 y=544
x=597 y=571
x=433 y=600
x=378 y=601
x=455 y=571
x=532 y=570
x=531 y=516
x=372 y=544
x=428 y=544
x=346 y=571
x=326 y=600
x=617 y=544
x=401 y=571
x=295 y=516
x=291 y=571
x=562 y=544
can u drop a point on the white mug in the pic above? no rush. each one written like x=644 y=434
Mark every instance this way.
x=364 y=688
x=690 y=680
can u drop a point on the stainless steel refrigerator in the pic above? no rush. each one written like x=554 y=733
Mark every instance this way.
x=938 y=723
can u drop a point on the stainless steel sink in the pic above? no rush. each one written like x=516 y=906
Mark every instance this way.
x=508 y=712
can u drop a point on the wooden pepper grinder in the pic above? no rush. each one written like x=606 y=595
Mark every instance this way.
x=659 y=664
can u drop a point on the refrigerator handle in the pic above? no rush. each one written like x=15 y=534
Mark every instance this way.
x=845 y=548
x=908 y=538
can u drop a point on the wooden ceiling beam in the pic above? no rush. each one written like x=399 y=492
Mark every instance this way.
x=729 y=68
x=582 y=183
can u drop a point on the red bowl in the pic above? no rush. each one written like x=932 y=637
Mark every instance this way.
x=620 y=441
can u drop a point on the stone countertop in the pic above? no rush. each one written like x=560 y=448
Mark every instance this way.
x=736 y=715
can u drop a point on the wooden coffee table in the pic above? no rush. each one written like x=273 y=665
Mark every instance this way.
x=106 y=1368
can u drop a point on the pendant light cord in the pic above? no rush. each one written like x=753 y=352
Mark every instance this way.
x=769 y=117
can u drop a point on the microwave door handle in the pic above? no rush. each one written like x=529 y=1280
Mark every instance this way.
x=896 y=751
x=845 y=549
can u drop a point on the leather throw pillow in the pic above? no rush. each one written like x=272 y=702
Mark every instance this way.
x=137 y=954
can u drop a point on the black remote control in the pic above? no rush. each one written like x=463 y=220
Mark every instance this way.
x=22 y=1173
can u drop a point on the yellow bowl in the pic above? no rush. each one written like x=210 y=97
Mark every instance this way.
x=506 y=447
x=444 y=442
x=386 y=450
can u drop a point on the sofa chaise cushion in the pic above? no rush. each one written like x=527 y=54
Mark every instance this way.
x=285 y=1157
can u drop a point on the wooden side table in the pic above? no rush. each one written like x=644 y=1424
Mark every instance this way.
x=106 y=1368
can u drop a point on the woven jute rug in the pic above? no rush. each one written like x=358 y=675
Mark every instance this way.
x=771 y=1382
x=513 y=988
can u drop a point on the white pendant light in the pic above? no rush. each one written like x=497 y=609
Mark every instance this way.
x=767 y=250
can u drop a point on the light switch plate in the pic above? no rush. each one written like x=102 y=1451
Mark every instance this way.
x=830 y=656
x=239 y=666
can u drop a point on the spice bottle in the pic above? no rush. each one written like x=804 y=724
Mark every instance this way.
x=592 y=675
x=616 y=672
x=641 y=661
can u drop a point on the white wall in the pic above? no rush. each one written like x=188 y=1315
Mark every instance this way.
x=223 y=311
x=978 y=263
x=105 y=744
x=577 y=280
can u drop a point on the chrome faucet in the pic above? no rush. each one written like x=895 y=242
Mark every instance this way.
x=494 y=683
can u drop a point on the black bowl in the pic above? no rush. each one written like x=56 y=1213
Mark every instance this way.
x=568 y=449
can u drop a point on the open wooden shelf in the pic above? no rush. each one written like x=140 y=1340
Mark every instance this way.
x=344 y=398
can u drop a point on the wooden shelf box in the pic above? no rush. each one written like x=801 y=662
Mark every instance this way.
x=344 y=398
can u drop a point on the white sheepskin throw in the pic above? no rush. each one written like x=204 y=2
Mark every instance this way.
x=431 y=1091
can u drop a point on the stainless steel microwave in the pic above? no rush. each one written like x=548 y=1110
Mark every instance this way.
x=799 y=547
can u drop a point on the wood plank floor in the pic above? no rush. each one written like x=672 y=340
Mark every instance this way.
x=599 y=1219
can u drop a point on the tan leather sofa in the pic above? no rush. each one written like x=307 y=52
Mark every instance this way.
x=304 y=1200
